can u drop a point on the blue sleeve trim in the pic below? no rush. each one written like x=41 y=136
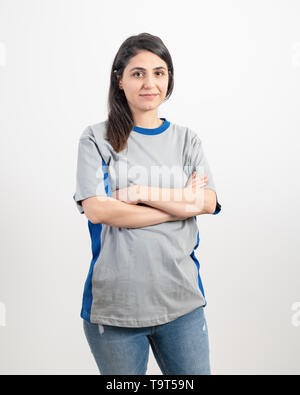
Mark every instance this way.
x=218 y=208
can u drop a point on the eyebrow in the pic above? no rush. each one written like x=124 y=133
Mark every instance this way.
x=142 y=68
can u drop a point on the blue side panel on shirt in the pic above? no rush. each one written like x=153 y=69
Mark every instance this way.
x=95 y=233
x=193 y=256
x=106 y=180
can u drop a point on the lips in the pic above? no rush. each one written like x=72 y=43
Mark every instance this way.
x=154 y=94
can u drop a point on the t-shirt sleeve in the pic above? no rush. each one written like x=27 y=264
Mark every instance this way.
x=91 y=175
x=199 y=163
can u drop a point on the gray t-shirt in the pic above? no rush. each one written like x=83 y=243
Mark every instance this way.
x=144 y=276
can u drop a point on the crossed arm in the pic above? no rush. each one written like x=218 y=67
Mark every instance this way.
x=139 y=206
x=179 y=201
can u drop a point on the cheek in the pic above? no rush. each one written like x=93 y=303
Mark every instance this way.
x=133 y=89
x=163 y=91
x=131 y=93
x=164 y=86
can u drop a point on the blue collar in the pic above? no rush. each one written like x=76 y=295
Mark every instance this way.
x=158 y=130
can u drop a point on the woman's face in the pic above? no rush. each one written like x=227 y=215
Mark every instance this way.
x=146 y=73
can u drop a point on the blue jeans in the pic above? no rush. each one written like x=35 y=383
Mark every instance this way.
x=179 y=347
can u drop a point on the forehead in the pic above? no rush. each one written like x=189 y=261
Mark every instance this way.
x=146 y=60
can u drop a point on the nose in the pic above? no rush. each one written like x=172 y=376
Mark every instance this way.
x=149 y=82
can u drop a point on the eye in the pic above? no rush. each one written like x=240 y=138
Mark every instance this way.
x=139 y=72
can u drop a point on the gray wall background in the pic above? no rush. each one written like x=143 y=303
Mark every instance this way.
x=237 y=83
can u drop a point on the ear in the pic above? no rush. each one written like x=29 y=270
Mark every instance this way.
x=120 y=82
x=118 y=78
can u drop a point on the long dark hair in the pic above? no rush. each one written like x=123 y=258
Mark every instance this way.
x=120 y=120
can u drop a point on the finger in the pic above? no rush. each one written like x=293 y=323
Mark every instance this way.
x=199 y=181
x=199 y=185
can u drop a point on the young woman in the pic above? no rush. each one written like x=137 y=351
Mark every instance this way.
x=141 y=182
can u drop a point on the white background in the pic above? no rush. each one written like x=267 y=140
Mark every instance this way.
x=237 y=83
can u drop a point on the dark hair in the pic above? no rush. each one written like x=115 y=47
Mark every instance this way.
x=120 y=120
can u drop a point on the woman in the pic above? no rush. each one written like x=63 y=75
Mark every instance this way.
x=141 y=182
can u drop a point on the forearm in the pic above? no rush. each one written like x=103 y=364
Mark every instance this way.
x=114 y=212
x=177 y=201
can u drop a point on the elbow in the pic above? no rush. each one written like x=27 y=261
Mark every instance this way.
x=97 y=217
x=93 y=220
x=204 y=203
x=92 y=212
x=212 y=205
x=91 y=216
x=210 y=210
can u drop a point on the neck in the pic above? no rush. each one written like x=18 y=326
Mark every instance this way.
x=148 y=121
